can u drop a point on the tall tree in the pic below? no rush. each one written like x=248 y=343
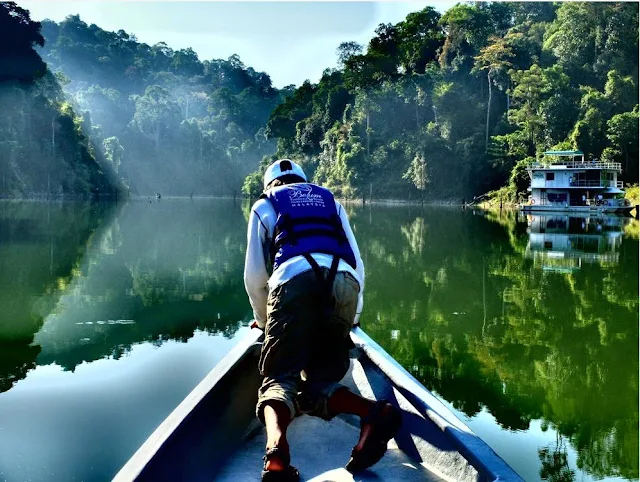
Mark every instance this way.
x=494 y=60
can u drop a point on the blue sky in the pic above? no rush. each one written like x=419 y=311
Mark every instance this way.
x=291 y=41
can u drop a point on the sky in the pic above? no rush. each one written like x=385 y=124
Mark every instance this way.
x=290 y=41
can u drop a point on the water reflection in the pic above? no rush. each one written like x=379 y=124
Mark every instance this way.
x=73 y=293
x=555 y=465
x=41 y=245
x=564 y=243
x=158 y=272
x=106 y=325
x=462 y=301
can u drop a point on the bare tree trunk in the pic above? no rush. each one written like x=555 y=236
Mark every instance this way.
x=53 y=133
x=368 y=138
x=422 y=181
x=486 y=136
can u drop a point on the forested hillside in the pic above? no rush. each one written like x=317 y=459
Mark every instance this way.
x=43 y=150
x=167 y=121
x=438 y=106
x=451 y=106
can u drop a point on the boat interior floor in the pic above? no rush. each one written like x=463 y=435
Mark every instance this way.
x=320 y=450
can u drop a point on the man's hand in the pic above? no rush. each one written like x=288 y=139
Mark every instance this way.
x=254 y=324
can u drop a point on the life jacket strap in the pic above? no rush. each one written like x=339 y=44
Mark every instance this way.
x=328 y=283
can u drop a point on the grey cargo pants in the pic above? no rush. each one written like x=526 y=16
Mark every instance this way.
x=306 y=353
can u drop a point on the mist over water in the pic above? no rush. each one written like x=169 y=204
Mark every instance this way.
x=163 y=119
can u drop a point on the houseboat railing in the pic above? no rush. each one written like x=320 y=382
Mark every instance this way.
x=616 y=166
x=595 y=183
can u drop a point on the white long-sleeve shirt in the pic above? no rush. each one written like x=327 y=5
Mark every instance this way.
x=257 y=281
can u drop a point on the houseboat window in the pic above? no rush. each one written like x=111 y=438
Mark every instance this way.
x=551 y=176
x=548 y=245
x=557 y=197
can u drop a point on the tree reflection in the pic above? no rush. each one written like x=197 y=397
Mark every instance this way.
x=41 y=245
x=166 y=269
x=555 y=467
x=450 y=294
x=170 y=279
x=486 y=327
x=16 y=359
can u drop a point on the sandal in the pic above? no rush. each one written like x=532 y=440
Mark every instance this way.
x=290 y=474
x=384 y=426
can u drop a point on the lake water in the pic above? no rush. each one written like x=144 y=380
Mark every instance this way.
x=526 y=327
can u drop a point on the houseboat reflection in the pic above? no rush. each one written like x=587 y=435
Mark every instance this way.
x=564 y=243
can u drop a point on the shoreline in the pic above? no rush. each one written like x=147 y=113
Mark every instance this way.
x=403 y=202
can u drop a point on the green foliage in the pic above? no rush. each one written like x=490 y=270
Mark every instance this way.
x=417 y=173
x=44 y=151
x=346 y=50
x=252 y=186
x=185 y=125
x=633 y=194
x=519 y=179
x=478 y=90
x=113 y=151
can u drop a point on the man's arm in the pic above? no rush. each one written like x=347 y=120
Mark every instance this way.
x=255 y=271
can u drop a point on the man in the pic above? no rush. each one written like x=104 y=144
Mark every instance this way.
x=305 y=280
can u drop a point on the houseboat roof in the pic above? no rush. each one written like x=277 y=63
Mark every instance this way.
x=564 y=153
x=606 y=165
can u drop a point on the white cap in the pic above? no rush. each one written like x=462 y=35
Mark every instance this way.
x=281 y=167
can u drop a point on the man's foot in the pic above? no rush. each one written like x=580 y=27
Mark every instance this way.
x=380 y=426
x=277 y=467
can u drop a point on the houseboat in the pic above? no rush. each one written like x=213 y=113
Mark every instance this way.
x=572 y=184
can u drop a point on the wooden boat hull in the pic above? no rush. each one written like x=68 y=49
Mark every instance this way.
x=214 y=434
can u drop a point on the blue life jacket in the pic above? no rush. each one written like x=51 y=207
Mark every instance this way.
x=307 y=222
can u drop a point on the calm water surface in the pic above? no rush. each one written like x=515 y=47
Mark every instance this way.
x=110 y=314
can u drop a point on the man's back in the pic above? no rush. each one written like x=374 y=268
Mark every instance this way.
x=257 y=275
